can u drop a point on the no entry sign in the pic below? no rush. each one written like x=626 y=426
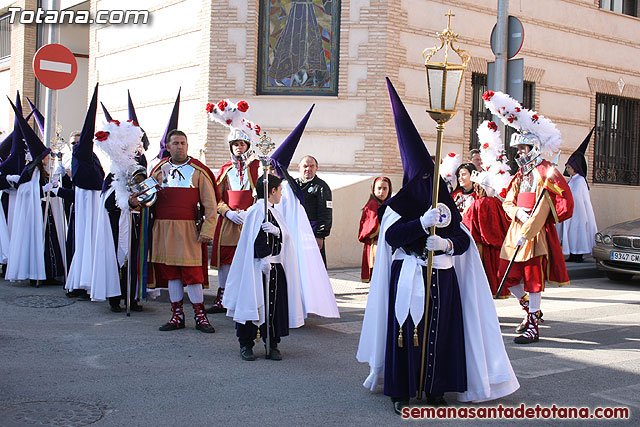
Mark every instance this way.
x=55 y=66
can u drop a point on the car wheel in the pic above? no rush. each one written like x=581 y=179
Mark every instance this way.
x=613 y=275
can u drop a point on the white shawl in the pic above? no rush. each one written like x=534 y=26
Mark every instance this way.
x=244 y=291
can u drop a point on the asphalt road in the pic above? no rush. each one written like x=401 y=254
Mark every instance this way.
x=81 y=364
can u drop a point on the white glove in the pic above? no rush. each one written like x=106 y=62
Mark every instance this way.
x=47 y=187
x=234 y=217
x=265 y=266
x=522 y=215
x=430 y=218
x=267 y=227
x=437 y=243
x=60 y=170
x=521 y=241
x=242 y=214
x=55 y=190
x=13 y=178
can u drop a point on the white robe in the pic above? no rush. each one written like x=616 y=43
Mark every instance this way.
x=26 y=249
x=105 y=276
x=56 y=206
x=87 y=203
x=244 y=291
x=13 y=195
x=4 y=236
x=578 y=232
x=489 y=372
x=317 y=293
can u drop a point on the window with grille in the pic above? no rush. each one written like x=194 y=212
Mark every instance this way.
x=617 y=140
x=627 y=7
x=5 y=37
x=478 y=112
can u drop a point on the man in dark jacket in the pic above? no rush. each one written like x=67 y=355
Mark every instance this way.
x=317 y=201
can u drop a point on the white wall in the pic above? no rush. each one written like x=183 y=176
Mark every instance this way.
x=5 y=89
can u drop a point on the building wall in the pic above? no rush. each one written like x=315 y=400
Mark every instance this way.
x=572 y=51
x=23 y=43
x=154 y=61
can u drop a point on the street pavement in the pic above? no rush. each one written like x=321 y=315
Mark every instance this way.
x=81 y=364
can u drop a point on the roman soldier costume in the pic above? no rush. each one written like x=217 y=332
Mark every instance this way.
x=177 y=256
x=537 y=198
x=235 y=182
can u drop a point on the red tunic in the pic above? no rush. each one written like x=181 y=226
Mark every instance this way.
x=488 y=224
x=227 y=233
x=368 y=234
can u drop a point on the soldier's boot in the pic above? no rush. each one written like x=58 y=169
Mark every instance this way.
x=202 y=323
x=217 y=305
x=531 y=335
x=177 y=318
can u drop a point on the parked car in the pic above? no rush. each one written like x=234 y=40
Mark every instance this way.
x=617 y=250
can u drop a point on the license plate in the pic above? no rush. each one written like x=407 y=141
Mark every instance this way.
x=625 y=256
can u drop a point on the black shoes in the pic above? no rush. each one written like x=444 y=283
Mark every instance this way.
x=116 y=308
x=80 y=294
x=247 y=354
x=274 y=354
x=169 y=326
x=436 y=400
x=575 y=258
x=207 y=328
x=399 y=403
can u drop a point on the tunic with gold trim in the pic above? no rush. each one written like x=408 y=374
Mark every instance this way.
x=539 y=230
x=185 y=188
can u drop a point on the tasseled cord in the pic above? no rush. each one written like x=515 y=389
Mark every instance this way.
x=416 y=342
x=258 y=335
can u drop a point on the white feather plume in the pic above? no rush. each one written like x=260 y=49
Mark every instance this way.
x=512 y=114
x=448 y=167
x=494 y=160
x=227 y=113
x=120 y=146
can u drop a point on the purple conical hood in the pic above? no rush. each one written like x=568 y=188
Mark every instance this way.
x=416 y=160
x=107 y=116
x=15 y=147
x=36 y=147
x=84 y=148
x=134 y=117
x=414 y=198
x=173 y=124
x=37 y=115
x=86 y=170
x=577 y=160
x=284 y=153
x=132 y=110
x=6 y=146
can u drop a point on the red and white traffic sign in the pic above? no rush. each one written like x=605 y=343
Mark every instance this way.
x=55 y=66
